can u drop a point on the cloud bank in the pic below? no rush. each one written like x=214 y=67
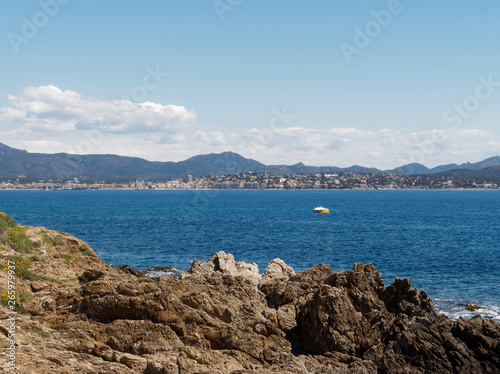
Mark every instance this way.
x=49 y=109
x=47 y=119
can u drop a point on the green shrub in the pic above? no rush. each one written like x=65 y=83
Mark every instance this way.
x=20 y=264
x=45 y=334
x=64 y=256
x=29 y=275
x=51 y=242
x=84 y=279
x=35 y=258
x=4 y=300
x=25 y=296
x=54 y=280
x=6 y=222
x=19 y=241
x=85 y=250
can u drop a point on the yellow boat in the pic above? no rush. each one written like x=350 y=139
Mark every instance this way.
x=321 y=209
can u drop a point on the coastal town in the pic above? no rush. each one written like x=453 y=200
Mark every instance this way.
x=260 y=181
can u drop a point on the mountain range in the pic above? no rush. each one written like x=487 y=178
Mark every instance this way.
x=15 y=162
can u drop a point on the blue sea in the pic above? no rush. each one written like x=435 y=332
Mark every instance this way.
x=446 y=242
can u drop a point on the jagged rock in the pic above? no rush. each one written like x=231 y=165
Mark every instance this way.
x=276 y=269
x=220 y=318
x=272 y=283
x=166 y=269
x=329 y=322
x=37 y=286
x=397 y=327
x=472 y=307
x=225 y=264
x=130 y=270
x=400 y=298
x=296 y=288
x=145 y=272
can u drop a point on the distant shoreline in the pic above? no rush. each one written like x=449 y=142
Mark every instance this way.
x=260 y=189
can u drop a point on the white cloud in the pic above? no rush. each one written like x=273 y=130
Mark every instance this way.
x=49 y=109
x=47 y=119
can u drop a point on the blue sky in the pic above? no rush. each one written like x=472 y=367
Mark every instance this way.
x=77 y=83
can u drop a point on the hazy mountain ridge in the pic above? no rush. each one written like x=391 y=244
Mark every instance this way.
x=490 y=173
x=15 y=162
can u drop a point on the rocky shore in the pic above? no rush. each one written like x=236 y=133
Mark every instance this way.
x=75 y=314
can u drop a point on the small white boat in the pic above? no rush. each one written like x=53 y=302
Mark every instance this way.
x=321 y=209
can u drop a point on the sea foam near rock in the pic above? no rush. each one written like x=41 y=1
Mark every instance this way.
x=158 y=274
x=455 y=308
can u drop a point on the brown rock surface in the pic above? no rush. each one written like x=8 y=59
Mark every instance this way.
x=78 y=315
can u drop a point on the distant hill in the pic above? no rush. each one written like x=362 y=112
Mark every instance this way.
x=417 y=168
x=492 y=161
x=489 y=173
x=414 y=168
x=15 y=162
x=486 y=169
x=220 y=163
x=300 y=168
